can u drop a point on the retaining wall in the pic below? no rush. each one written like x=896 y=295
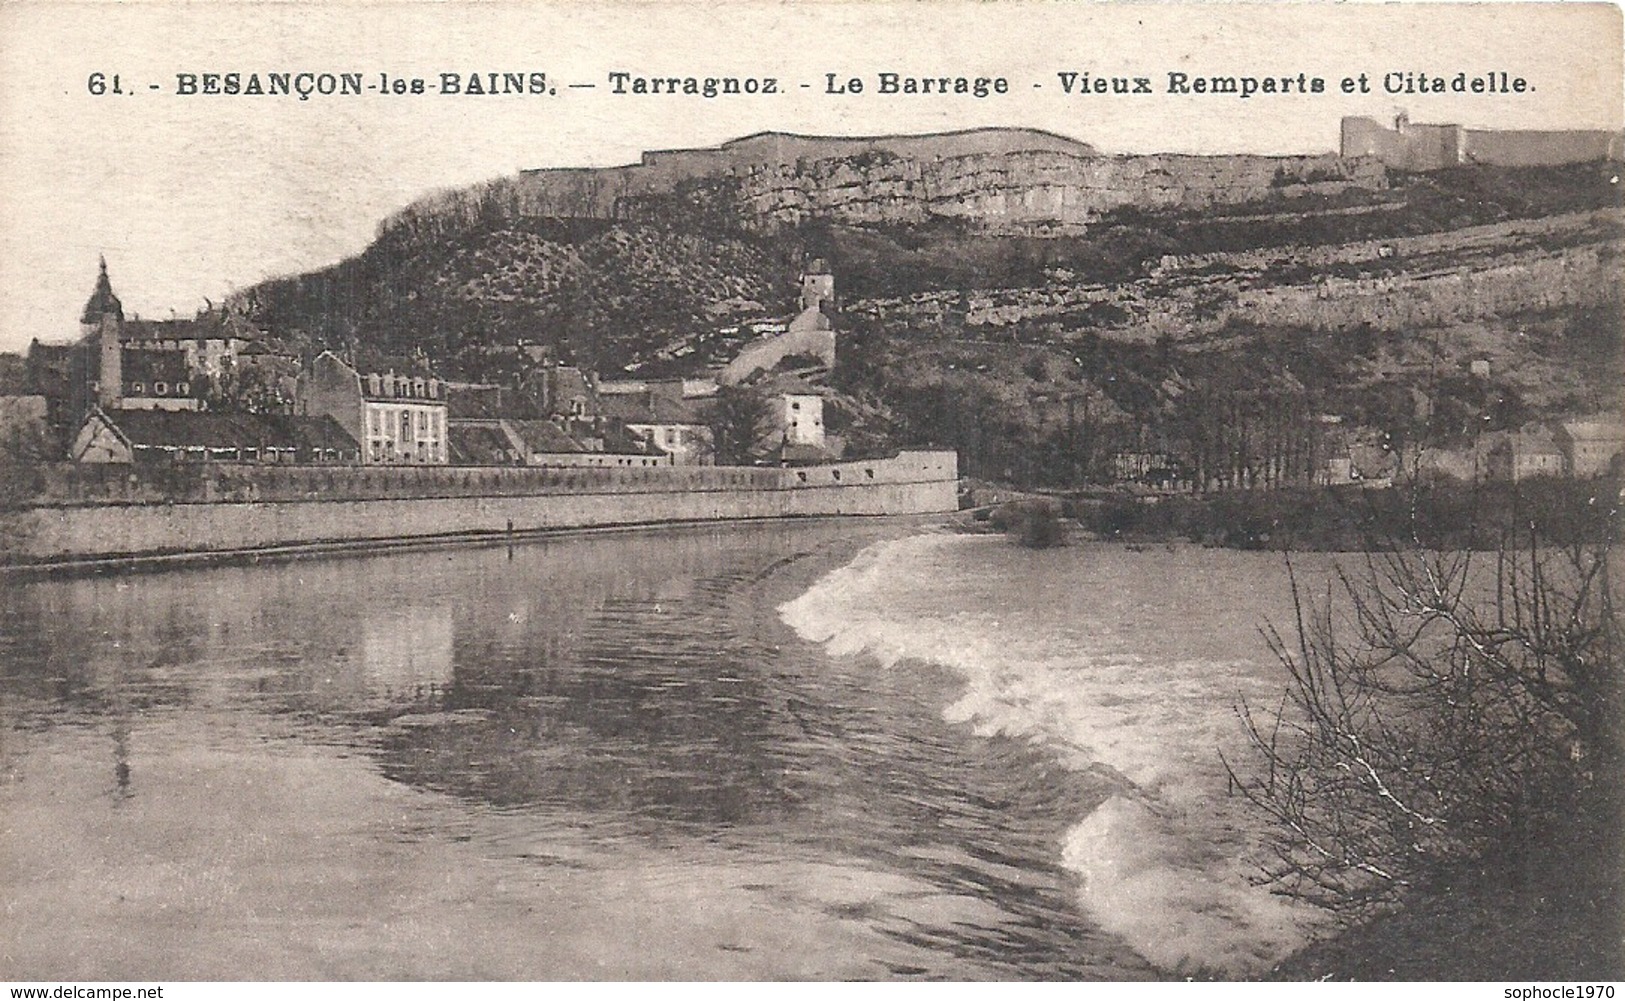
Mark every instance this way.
x=270 y=507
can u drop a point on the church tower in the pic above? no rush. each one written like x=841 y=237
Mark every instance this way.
x=102 y=327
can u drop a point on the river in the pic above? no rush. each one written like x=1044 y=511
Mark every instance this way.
x=859 y=749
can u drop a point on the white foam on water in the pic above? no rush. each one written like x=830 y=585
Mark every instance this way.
x=1086 y=661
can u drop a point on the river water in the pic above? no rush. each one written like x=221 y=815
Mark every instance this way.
x=863 y=749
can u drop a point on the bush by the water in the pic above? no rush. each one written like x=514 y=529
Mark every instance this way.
x=1034 y=522
x=1442 y=516
x=1446 y=712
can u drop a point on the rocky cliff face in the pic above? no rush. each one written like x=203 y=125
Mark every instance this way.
x=993 y=181
x=1026 y=192
x=1404 y=284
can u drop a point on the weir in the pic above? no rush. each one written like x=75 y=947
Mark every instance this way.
x=114 y=513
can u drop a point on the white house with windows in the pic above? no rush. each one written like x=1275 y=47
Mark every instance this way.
x=397 y=417
x=801 y=418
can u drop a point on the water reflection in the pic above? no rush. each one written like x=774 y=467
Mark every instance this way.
x=599 y=756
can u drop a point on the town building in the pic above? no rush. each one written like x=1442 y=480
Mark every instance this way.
x=157 y=379
x=1591 y=447
x=130 y=436
x=1521 y=455
x=212 y=343
x=661 y=416
x=126 y=363
x=399 y=417
x=568 y=392
x=800 y=418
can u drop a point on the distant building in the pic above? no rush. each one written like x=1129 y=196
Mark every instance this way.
x=157 y=380
x=1590 y=447
x=569 y=392
x=1521 y=455
x=129 y=436
x=811 y=334
x=397 y=416
x=662 y=417
x=800 y=418
x=126 y=363
x=212 y=343
x=101 y=326
x=1413 y=147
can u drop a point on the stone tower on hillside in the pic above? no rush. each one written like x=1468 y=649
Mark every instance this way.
x=102 y=329
x=817 y=285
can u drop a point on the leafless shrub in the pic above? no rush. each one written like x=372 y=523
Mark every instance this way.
x=1442 y=707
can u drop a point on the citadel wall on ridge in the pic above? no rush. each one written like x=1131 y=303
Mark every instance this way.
x=1415 y=147
x=1013 y=180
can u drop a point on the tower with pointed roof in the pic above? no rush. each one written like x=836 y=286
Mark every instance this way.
x=102 y=327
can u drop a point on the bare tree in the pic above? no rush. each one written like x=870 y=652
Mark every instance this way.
x=1442 y=707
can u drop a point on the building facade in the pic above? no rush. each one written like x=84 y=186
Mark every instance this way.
x=399 y=419
x=801 y=418
x=1590 y=448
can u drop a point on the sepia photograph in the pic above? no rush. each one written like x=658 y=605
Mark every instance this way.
x=846 y=491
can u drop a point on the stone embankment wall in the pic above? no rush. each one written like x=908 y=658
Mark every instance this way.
x=112 y=512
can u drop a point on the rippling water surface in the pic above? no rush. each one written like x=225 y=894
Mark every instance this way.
x=817 y=750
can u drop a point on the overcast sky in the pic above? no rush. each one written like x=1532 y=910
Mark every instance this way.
x=190 y=197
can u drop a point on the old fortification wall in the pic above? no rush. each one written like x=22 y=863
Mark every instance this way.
x=1409 y=146
x=1004 y=186
x=213 y=508
x=1534 y=149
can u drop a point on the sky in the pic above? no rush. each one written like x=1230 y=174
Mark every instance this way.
x=190 y=197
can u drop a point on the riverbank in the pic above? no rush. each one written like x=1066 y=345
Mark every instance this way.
x=1561 y=921
x=1341 y=519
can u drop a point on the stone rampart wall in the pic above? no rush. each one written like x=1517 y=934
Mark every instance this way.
x=246 y=508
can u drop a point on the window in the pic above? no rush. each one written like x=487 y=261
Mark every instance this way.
x=423 y=421
x=406 y=425
x=160 y=388
x=181 y=389
x=138 y=388
x=377 y=427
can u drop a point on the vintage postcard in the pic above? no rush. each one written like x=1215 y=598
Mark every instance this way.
x=835 y=491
